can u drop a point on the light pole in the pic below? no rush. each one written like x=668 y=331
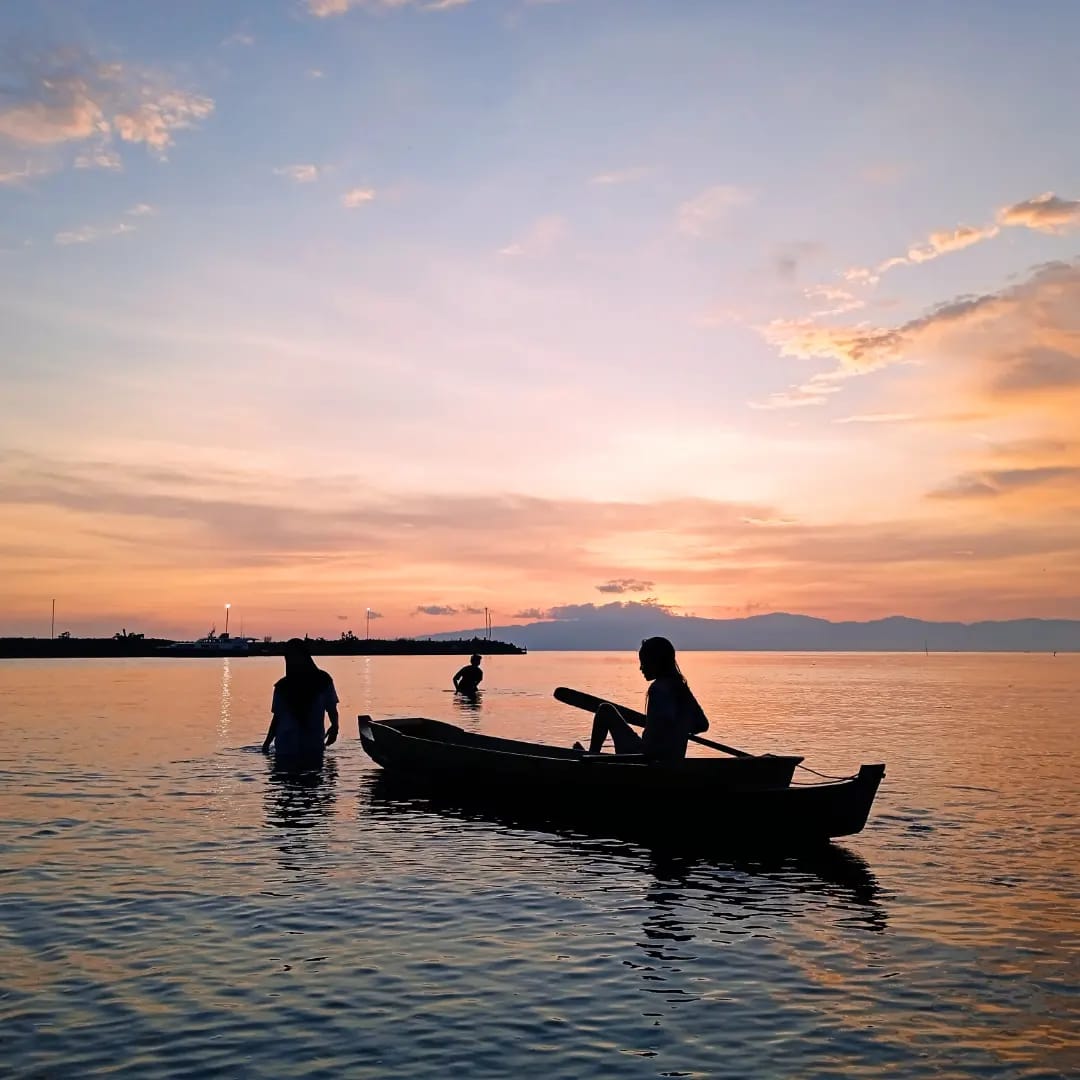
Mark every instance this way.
x=367 y=625
x=227 y=606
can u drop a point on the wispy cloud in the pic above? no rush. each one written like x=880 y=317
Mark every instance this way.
x=838 y=301
x=356 y=197
x=620 y=176
x=941 y=243
x=937 y=244
x=299 y=174
x=131 y=527
x=1002 y=482
x=1044 y=213
x=86 y=234
x=101 y=157
x=1023 y=341
x=540 y=238
x=876 y=418
x=815 y=391
x=15 y=177
x=323 y=9
x=69 y=98
x=707 y=210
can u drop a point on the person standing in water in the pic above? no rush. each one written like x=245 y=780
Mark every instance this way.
x=301 y=699
x=468 y=679
x=672 y=713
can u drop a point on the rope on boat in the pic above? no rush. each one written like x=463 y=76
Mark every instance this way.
x=824 y=776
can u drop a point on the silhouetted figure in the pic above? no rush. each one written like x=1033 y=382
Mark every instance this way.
x=468 y=679
x=671 y=710
x=301 y=699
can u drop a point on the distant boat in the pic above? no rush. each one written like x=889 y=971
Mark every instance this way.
x=211 y=645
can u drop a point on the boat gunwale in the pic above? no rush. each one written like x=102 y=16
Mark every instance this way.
x=696 y=764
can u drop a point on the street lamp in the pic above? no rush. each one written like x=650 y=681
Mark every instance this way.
x=227 y=606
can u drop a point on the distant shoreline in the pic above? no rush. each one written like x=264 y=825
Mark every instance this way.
x=72 y=648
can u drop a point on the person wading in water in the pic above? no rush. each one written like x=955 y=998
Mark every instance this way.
x=468 y=679
x=301 y=699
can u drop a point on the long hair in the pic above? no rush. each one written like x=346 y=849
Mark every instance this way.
x=657 y=656
x=303 y=680
x=659 y=653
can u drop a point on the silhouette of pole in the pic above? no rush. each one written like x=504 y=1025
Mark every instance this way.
x=227 y=606
x=52 y=622
x=367 y=625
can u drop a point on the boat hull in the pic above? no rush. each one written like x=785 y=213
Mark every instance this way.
x=713 y=797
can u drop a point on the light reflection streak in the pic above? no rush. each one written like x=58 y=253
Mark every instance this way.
x=226 y=698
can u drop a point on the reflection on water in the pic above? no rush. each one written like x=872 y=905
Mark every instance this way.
x=719 y=875
x=174 y=907
x=300 y=803
x=467 y=703
x=300 y=798
x=226 y=698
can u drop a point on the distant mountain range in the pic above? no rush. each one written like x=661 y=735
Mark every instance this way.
x=621 y=626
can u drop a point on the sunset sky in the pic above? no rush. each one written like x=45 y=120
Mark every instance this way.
x=315 y=306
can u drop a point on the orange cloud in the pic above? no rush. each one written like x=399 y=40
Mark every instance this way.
x=65 y=110
x=940 y=243
x=1035 y=344
x=1044 y=213
x=70 y=99
x=161 y=546
x=299 y=174
x=357 y=196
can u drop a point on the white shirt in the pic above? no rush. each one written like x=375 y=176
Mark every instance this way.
x=302 y=736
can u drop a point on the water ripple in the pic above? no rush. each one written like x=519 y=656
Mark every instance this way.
x=209 y=916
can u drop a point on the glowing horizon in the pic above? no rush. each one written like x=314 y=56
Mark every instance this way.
x=336 y=308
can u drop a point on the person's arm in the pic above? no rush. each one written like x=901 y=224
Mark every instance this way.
x=457 y=679
x=271 y=731
x=332 y=712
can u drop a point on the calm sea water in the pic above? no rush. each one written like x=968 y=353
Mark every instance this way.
x=170 y=907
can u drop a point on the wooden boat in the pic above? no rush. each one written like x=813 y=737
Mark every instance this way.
x=751 y=796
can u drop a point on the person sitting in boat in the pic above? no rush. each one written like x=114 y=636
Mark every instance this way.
x=301 y=699
x=468 y=679
x=672 y=712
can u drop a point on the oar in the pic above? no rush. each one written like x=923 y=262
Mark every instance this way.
x=580 y=700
